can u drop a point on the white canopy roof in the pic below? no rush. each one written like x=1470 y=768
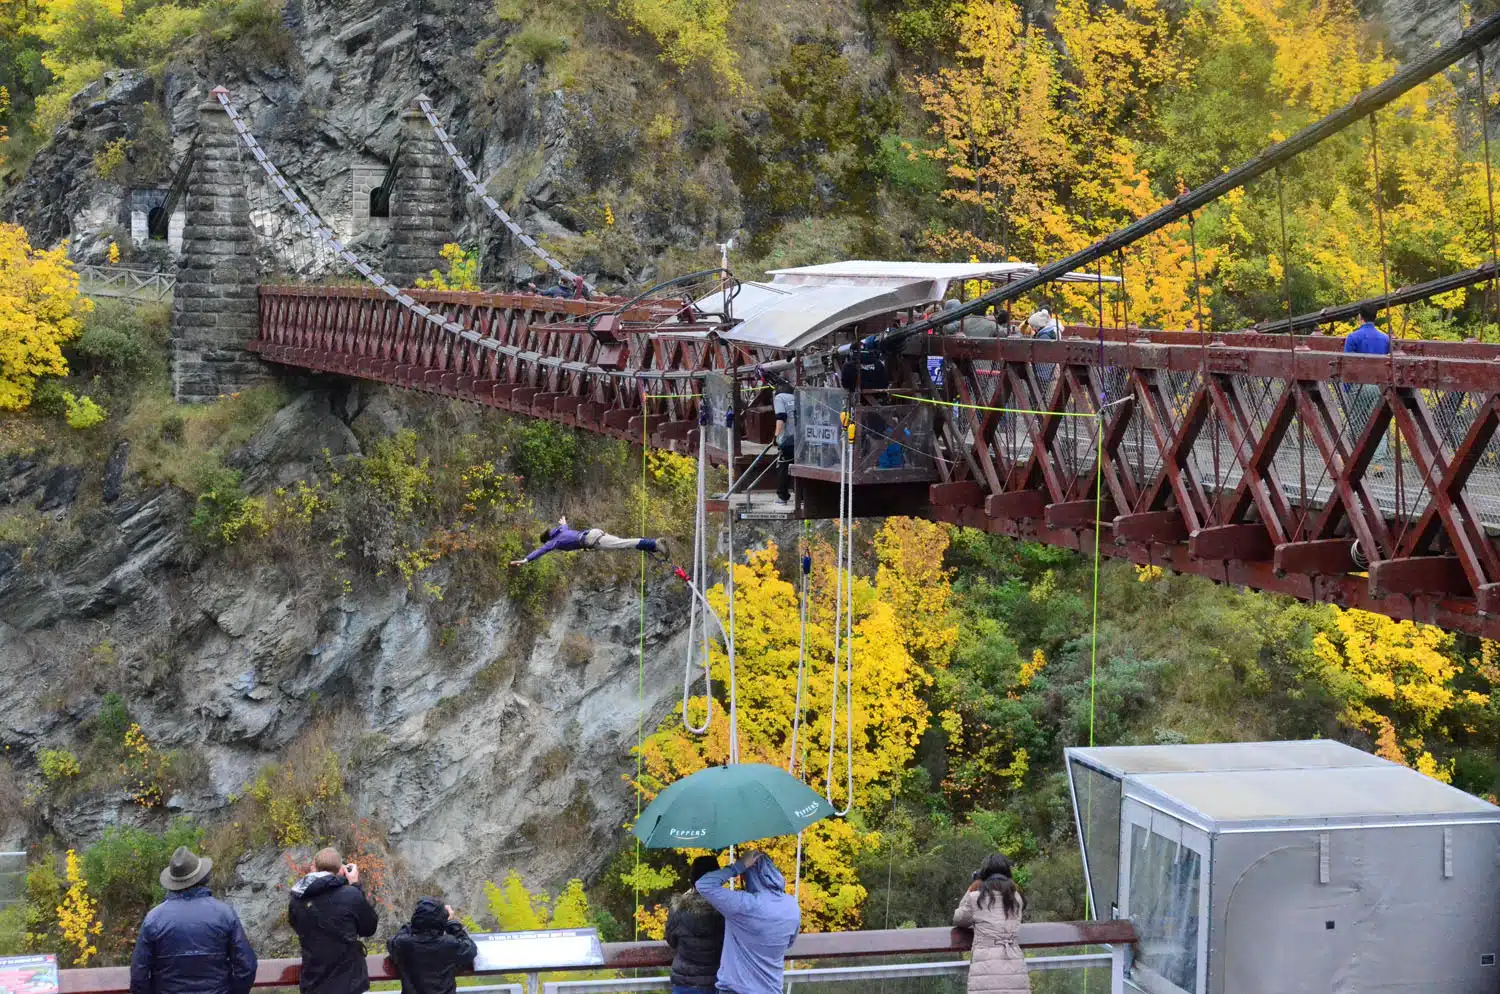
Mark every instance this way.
x=804 y=314
x=803 y=304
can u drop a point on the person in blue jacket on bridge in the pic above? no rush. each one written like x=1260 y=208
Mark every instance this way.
x=191 y=943
x=561 y=538
x=760 y=924
x=1362 y=398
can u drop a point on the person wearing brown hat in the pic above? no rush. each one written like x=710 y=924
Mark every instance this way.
x=191 y=943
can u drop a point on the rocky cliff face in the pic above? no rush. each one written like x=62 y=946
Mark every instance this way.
x=477 y=751
x=333 y=115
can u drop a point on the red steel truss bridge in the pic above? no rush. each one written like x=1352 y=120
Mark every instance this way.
x=1273 y=461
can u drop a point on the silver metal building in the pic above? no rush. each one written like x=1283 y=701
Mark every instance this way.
x=1290 y=868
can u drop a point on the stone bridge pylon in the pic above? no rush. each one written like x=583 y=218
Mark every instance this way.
x=216 y=307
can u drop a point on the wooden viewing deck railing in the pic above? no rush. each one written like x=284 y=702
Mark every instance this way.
x=658 y=955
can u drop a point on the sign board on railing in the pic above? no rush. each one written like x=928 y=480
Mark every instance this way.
x=28 y=974
x=520 y=952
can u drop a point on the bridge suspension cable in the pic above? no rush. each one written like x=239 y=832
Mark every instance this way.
x=325 y=235
x=490 y=204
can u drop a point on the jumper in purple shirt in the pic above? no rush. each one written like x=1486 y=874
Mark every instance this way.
x=1368 y=340
x=561 y=540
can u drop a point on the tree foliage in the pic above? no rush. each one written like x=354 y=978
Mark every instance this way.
x=40 y=312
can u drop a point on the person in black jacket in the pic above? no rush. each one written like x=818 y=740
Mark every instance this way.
x=191 y=943
x=695 y=931
x=431 y=950
x=330 y=914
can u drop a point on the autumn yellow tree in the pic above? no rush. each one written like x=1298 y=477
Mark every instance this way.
x=1397 y=681
x=40 y=312
x=77 y=915
x=1037 y=146
x=901 y=620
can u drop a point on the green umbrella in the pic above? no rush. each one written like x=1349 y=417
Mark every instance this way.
x=726 y=805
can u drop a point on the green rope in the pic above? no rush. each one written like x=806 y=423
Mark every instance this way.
x=1098 y=416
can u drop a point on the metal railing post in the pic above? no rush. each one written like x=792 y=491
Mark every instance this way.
x=1117 y=968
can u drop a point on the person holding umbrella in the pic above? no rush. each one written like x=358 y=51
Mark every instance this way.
x=760 y=924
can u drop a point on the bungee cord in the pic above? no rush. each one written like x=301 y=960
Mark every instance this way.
x=843 y=621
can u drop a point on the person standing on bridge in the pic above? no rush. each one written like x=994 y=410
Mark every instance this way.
x=695 y=931
x=1367 y=339
x=561 y=538
x=191 y=943
x=330 y=914
x=784 y=404
x=431 y=950
x=760 y=924
x=992 y=908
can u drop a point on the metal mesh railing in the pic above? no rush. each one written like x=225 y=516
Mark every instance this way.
x=1049 y=975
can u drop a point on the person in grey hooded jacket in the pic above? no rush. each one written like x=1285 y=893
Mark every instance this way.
x=760 y=924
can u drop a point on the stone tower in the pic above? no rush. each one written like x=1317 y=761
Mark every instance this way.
x=421 y=219
x=214 y=309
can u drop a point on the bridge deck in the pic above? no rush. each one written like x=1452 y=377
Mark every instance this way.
x=1251 y=458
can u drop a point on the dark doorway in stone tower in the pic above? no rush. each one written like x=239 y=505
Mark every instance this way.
x=380 y=201
x=156 y=223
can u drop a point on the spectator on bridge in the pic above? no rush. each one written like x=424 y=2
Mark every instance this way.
x=558 y=292
x=695 y=931
x=760 y=924
x=784 y=404
x=1367 y=339
x=561 y=538
x=330 y=915
x=1044 y=326
x=992 y=908
x=580 y=289
x=431 y=950
x=973 y=326
x=191 y=943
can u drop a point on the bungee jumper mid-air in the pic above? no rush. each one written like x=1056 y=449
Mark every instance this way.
x=561 y=538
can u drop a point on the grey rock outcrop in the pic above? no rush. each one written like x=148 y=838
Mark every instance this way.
x=478 y=747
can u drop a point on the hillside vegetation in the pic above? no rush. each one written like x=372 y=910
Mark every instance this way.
x=937 y=129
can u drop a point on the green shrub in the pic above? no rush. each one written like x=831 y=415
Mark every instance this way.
x=537 y=46
x=122 y=869
x=902 y=163
x=545 y=452
x=110 y=348
x=224 y=512
x=58 y=765
x=396 y=475
x=82 y=412
x=112 y=721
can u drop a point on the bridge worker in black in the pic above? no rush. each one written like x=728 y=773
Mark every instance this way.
x=784 y=404
x=330 y=914
x=558 y=292
x=695 y=931
x=191 y=943
x=431 y=950
x=561 y=538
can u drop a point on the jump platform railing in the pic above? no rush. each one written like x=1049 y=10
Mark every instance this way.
x=1116 y=936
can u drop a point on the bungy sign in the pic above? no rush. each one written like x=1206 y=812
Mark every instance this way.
x=523 y=952
x=28 y=974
